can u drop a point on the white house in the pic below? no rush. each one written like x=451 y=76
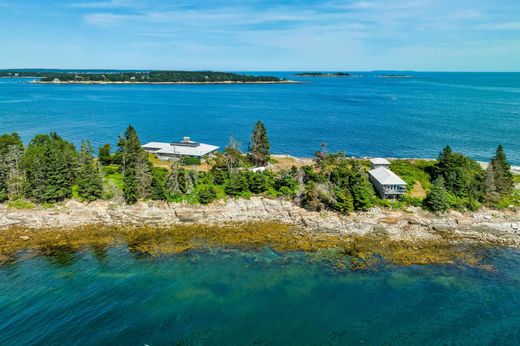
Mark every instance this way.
x=387 y=183
x=379 y=162
x=187 y=147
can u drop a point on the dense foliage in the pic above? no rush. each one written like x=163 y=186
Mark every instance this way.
x=140 y=76
x=50 y=170
x=49 y=164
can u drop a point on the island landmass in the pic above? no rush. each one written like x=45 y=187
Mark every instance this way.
x=141 y=77
x=55 y=196
x=324 y=74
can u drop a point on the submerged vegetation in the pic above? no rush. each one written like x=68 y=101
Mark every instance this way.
x=140 y=76
x=51 y=170
x=358 y=251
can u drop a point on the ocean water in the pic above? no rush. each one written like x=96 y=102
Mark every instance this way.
x=232 y=297
x=369 y=116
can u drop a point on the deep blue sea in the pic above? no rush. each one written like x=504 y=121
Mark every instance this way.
x=369 y=116
x=232 y=297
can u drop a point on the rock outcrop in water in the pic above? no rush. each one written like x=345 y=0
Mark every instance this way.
x=413 y=224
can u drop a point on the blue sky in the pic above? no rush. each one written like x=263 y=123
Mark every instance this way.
x=427 y=35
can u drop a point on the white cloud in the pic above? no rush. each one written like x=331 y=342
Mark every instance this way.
x=112 y=4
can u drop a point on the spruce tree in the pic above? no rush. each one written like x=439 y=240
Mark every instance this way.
x=259 y=147
x=236 y=184
x=344 y=202
x=49 y=165
x=258 y=182
x=104 y=155
x=90 y=183
x=501 y=170
x=11 y=176
x=137 y=178
x=360 y=188
x=437 y=199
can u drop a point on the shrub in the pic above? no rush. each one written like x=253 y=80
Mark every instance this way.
x=190 y=161
x=206 y=194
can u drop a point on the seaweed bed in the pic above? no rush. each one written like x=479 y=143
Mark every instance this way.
x=361 y=251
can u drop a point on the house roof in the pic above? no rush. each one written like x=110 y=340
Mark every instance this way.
x=181 y=150
x=386 y=177
x=379 y=161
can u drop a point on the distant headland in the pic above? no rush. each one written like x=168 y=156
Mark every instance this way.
x=140 y=77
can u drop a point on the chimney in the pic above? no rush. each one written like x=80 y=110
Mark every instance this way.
x=186 y=139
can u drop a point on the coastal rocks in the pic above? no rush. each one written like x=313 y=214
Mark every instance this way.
x=412 y=224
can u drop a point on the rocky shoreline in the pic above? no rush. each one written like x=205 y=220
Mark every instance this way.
x=414 y=225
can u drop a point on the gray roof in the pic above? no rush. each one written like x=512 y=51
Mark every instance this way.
x=179 y=149
x=386 y=177
x=379 y=161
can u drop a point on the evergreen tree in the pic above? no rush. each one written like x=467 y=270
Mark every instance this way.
x=259 y=148
x=361 y=189
x=206 y=194
x=137 y=177
x=90 y=183
x=463 y=177
x=11 y=176
x=49 y=165
x=501 y=171
x=158 y=184
x=236 y=184
x=344 y=202
x=437 y=199
x=104 y=155
x=258 y=182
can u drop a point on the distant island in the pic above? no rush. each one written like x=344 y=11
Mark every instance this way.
x=323 y=74
x=141 y=77
x=394 y=76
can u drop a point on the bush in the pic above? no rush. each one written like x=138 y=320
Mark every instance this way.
x=190 y=161
x=21 y=204
x=412 y=201
x=206 y=194
x=258 y=182
x=438 y=199
x=236 y=185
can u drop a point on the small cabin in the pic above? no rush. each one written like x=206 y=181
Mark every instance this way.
x=186 y=147
x=387 y=183
x=379 y=162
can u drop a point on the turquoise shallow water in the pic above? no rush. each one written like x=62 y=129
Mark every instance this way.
x=232 y=297
x=412 y=117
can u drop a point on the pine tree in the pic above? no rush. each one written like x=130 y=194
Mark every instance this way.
x=437 y=199
x=90 y=183
x=501 y=170
x=259 y=148
x=104 y=155
x=137 y=178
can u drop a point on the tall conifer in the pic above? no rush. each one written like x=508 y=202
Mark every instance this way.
x=90 y=183
x=259 y=148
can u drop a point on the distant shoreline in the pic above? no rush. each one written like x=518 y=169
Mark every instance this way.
x=166 y=83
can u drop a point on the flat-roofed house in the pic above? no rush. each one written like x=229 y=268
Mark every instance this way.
x=379 y=162
x=387 y=183
x=186 y=147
